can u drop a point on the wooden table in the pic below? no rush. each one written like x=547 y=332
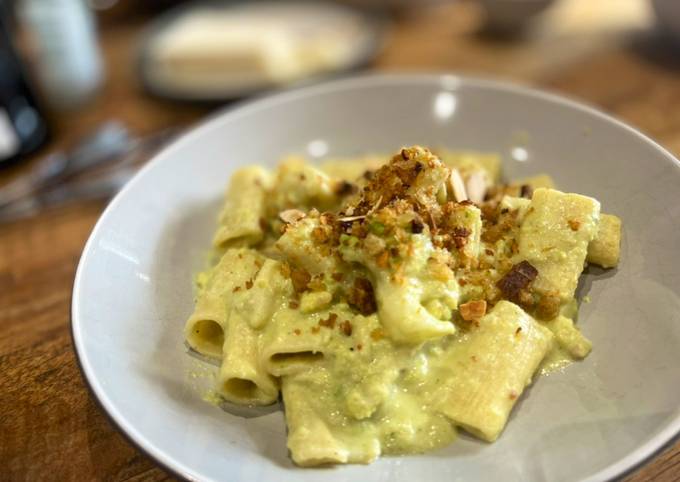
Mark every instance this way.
x=52 y=429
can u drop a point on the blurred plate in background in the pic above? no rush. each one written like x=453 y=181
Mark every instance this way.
x=224 y=50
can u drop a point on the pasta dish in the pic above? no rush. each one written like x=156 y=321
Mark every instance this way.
x=393 y=303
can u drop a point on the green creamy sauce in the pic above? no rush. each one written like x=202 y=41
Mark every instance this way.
x=374 y=395
x=391 y=395
x=555 y=361
x=380 y=393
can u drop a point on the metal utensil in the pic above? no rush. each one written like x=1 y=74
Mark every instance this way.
x=110 y=140
x=95 y=169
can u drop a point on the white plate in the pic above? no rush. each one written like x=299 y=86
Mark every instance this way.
x=364 y=28
x=601 y=417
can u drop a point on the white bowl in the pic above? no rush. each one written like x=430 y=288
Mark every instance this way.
x=596 y=420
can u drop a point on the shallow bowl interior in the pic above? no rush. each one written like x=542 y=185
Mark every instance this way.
x=598 y=418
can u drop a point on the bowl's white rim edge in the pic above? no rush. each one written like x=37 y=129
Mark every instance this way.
x=617 y=469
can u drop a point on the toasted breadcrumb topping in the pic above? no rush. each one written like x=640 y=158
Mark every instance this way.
x=415 y=193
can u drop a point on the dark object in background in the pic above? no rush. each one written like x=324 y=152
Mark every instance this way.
x=508 y=18
x=22 y=124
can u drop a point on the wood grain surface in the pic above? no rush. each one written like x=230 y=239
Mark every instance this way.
x=52 y=429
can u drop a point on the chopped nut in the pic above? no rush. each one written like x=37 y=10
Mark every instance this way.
x=476 y=187
x=319 y=235
x=574 y=224
x=312 y=301
x=249 y=284
x=383 y=259
x=285 y=270
x=417 y=226
x=519 y=277
x=374 y=245
x=461 y=232
x=327 y=218
x=300 y=278
x=346 y=327
x=472 y=310
x=459 y=242
x=457 y=186
x=460 y=237
x=525 y=299
x=290 y=216
x=330 y=321
x=548 y=306
x=293 y=305
x=498 y=224
x=361 y=297
x=297 y=331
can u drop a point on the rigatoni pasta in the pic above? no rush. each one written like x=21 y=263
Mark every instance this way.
x=206 y=327
x=240 y=222
x=243 y=378
x=392 y=303
x=490 y=368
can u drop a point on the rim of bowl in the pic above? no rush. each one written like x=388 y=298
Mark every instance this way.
x=625 y=465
